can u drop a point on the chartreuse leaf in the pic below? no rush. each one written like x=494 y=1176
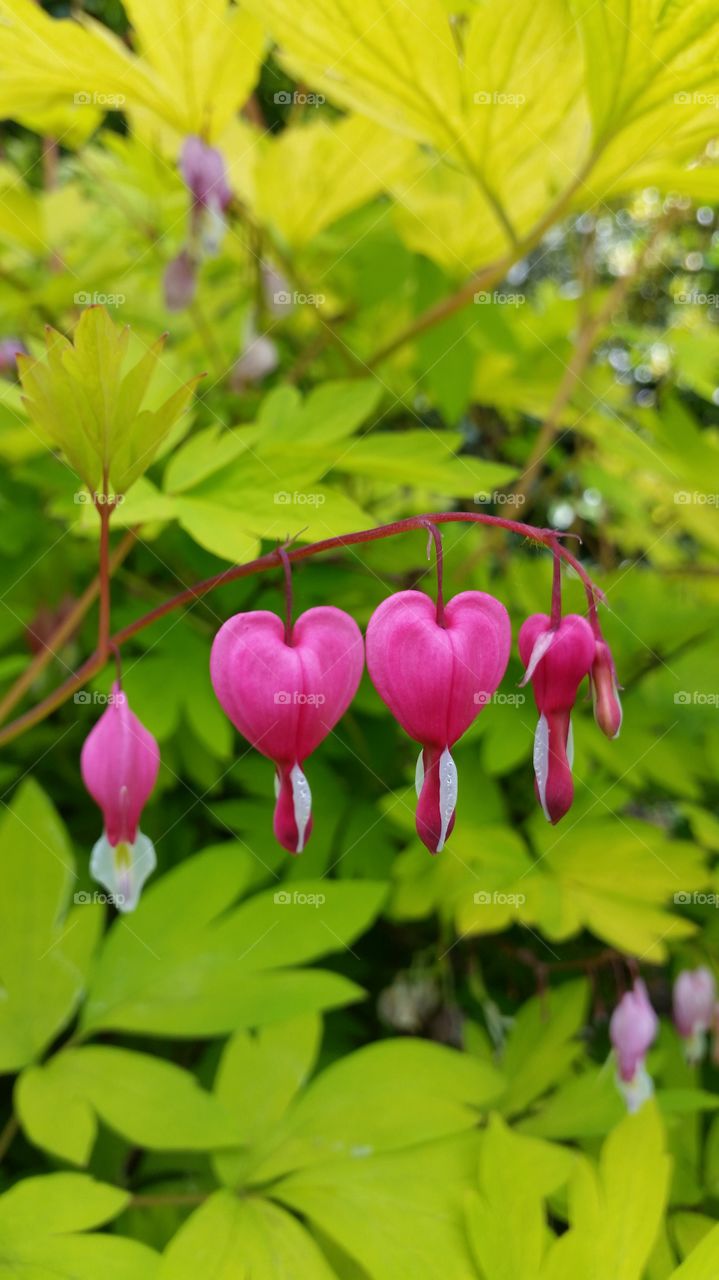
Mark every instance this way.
x=505 y=1218
x=53 y=1116
x=149 y=1101
x=436 y=1092
x=190 y=965
x=331 y=169
x=703 y=1261
x=38 y=1221
x=395 y=1214
x=543 y=1044
x=45 y=948
x=229 y=1238
x=616 y=1211
x=85 y=405
x=258 y=1077
x=196 y=70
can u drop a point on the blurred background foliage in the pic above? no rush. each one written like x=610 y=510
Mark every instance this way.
x=471 y=261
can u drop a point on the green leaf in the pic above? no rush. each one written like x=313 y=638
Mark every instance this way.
x=150 y=1102
x=703 y=1261
x=228 y=1237
x=543 y=1043
x=436 y=1091
x=44 y=947
x=53 y=1116
x=217 y=973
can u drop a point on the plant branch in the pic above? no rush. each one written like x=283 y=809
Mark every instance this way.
x=547 y=537
x=63 y=631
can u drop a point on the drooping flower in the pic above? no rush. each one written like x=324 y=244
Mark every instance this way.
x=10 y=349
x=632 y=1030
x=119 y=762
x=258 y=358
x=204 y=172
x=285 y=692
x=694 y=1000
x=604 y=684
x=435 y=677
x=556 y=659
x=180 y=281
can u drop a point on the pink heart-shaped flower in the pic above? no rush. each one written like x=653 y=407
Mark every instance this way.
x=286 y=697
x=435 y=679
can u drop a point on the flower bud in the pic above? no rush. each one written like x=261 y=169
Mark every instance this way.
x=632 y=1030
x=605 y=695
x=694 y=999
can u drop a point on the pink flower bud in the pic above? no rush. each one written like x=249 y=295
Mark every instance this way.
x=605 y=695
x=435 y=679
x=632 y=1030
x=203 y=169
x=286 y=696
x=556 y=661
x=10 y=349
x=694 y=1001
x=119 y=763
x=180 y=281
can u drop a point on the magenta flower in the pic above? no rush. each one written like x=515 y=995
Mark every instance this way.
x=119 y=762
x=605 y=689
x=694 y=1002
x=204 y=172
x=435 y=677
x=632 y=1030
x=284 y=688
x=556 y=659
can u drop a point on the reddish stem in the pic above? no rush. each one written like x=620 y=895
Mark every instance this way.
x=556 y=616
x=548 y=537
x=282 y=553
x=435 y=534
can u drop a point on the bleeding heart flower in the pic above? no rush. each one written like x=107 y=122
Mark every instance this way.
x=285 y=695
x=632 y=1030
x=694 y=1001
x=605 y=689
x=203 y=169
x=556 y=659
x=119 y=762
x=435 y=678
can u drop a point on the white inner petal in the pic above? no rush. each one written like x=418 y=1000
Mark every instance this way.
x=570 y=745
x=448 y=788
x=122 y=869
x=541 y=761
x=278 y=785
x=302 y=801
x=541 y=645
x=419 y=774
